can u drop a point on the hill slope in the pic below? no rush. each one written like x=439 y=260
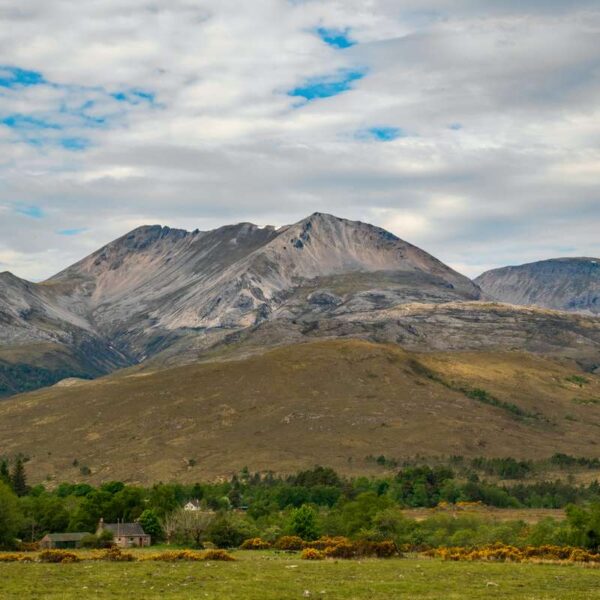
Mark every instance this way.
x=562 y=283
x=331 y=402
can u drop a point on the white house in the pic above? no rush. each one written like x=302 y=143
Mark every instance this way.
x=192 y=505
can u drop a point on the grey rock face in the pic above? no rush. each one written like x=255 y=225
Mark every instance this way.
x=571 y=284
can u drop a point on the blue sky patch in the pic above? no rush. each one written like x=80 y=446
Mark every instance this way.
x=338 y=38
x=27 y=122
x=325 y=87
x=71 y=232
x=455 y=126
x=381 y=133
x=134 y=96
x=74 y=143
x=32 y=211
x=11 y=77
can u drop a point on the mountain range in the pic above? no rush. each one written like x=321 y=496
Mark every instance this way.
x=159 y=307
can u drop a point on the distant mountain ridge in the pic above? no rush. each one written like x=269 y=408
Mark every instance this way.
x=571 y=284
x=139 y=294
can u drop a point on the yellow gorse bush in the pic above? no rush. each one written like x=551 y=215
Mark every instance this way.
x=255 y=544
x=58 y=556
x=312 y=554
x=502 y=552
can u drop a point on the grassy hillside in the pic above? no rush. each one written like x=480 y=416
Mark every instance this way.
x=329 y=402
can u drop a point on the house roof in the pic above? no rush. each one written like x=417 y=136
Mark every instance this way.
x=124 y=529
x=193 y=502
x=66 y=537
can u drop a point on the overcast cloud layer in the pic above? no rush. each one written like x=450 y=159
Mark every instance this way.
x=471 y=129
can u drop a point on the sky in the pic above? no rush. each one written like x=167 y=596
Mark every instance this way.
x=469 y=128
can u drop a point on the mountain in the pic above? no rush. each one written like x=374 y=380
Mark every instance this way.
x=146 y=291
x=571 y=284
x=332 y=401
x=325 y=341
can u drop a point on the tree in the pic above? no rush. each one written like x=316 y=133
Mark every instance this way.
x=186 y=527
x=18 y=478
x=151 y=525
x=11 y=518
x=585 y=525
x=303 y=523
x=230 y=530
x=4 y=473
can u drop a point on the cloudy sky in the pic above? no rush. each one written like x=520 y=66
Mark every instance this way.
x=470 y=128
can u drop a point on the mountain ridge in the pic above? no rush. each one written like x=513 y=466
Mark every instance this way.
x=566 y=283
x=165 y=294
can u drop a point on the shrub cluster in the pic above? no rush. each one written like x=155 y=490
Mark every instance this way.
x=115 y=554
x=255 y=544
x=291 y=543
x=341 y=547
x=58 y=556
x=14 y=557
x=312 y=554
x=176 y=556
x=502 y=552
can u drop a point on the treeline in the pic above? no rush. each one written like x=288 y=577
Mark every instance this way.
x=309 y=503
x=501 y=468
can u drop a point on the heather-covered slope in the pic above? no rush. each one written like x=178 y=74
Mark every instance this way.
x=331 y=402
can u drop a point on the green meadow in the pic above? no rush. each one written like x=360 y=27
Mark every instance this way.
x=271 y=575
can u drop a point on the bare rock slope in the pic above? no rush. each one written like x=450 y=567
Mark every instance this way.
x=138 y=295
x=571 y=284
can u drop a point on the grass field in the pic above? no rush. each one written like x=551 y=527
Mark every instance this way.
x=267 y=575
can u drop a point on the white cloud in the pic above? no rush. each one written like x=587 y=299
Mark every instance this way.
x=499 y=101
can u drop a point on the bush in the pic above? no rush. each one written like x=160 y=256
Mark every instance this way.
x=326 y=542
x=255 y=544
x=229 y=531
x=312 y=554
x=384 y=549
x=217 y=555
x=176 y=556
x=57 y=556
x=291 y=543
x=342 y=550
x=115 y=554
x=12 y=557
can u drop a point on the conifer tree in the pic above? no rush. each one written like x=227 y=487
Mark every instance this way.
x=18 y=479
x=4 y=473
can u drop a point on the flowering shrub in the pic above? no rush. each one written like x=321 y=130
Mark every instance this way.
x=255 y=544
x=312 y=554
x=116 y=555
x=502 y=552
x=13 y=557
x=326 y=542
x=57 y=556
x=341 y=550
x=289 y=542
x=217 y=555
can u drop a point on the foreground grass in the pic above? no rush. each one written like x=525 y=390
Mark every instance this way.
x=267 y=575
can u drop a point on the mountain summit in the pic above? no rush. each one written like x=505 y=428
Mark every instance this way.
x=143 y=292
